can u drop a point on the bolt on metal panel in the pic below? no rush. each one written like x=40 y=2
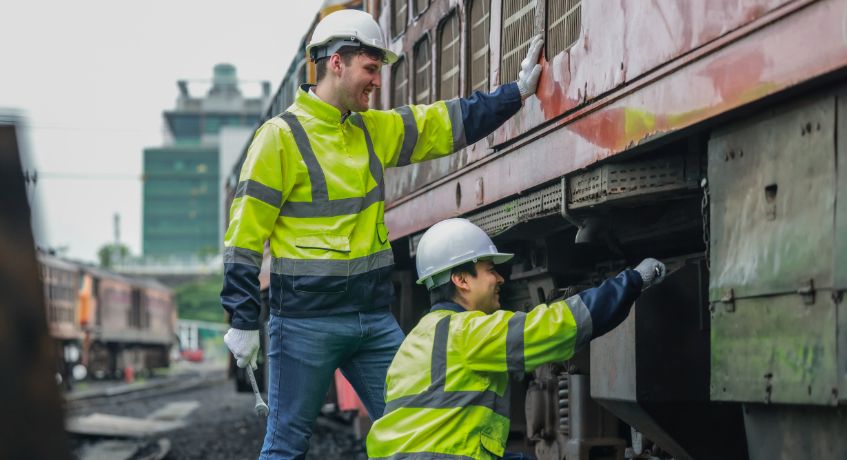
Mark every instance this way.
x=772 y=185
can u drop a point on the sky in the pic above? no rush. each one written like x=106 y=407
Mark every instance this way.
x=92 y=78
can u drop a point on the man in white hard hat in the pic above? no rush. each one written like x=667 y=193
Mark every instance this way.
x=312 y=184
x=447 y=389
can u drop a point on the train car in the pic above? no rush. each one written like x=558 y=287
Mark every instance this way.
x=104 y=324
x=61 y=281
x=709 y=134
x=129 y=323
x=705 y=133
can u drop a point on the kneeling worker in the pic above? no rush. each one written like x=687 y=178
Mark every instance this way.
x=446 y=390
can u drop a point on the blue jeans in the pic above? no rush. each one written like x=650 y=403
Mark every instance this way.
x=302 y=358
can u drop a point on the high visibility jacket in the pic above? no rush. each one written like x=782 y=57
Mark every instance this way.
x=312 y=183
x=447 y=390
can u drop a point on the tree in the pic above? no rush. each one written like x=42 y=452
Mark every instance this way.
x=109 y=253
x=200 y=299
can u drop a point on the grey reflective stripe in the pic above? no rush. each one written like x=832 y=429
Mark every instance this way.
x=328 y=267
x=316 y=174
x=235 y=255
x=515 y=342
x=584 y=325
x=451 y=399
x=373 y=161
x=410 y=135
x=258 y=191
x=438 y=366
x=423 y=456
x=454 y=108
x=321 y=205
x=332 y=208
x=436 y=397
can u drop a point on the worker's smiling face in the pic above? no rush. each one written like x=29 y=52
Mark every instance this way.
x=358 y=80
x=484 y=288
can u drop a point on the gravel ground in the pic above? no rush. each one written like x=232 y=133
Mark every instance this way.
x=224 y=426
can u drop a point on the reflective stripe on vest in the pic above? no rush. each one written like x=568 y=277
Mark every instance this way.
x=321 y=205
x=423 y=456
x=332 y=267
x=436 y=397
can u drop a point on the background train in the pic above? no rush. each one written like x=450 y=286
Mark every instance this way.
x=710 y=134
x=104 y=324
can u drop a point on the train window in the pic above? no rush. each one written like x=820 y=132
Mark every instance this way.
x=517 y=31
x=449 y=57
x=423 y=63
x=478 y=45
x=398 y=21
x=420 y=6
x=564 y=21
x=400 y=80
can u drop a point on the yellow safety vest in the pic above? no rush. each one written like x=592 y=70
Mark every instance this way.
x=447 y=388
x=312 y=183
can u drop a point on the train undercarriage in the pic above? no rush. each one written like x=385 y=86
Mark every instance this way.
x=742 y=350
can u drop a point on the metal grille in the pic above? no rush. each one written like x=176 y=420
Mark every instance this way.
x=564 y=21
x=422 y=72
x=478 y=44
x=448 y=60
x=400 y=79
x=420 y=5
x=517 y=31
x=498 y=219
x=627 y=179
x=398 y=23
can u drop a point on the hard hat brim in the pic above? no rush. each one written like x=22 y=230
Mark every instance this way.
x=497 y=258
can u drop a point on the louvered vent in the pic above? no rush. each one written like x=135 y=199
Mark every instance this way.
x=400 y=78
x=564 y=22
x=478 y=45
x=420 y=6
x=517 y=31
x=422 y=72
x=448 y=67
x=398 y=23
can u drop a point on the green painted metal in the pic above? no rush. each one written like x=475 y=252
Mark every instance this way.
x=774 y=350
x=841 y=239
x=777 y=222
x=772 y=185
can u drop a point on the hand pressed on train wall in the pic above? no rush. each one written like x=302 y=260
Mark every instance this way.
x=530 y=68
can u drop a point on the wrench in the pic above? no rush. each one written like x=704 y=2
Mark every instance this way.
x=261 y=407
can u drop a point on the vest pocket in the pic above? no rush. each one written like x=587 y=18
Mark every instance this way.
x=492 y=445
x=319 y=274
x=382 y=232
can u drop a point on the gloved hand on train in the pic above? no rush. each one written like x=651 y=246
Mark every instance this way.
x=530 y=69
x=244 y=345
x=652 y=272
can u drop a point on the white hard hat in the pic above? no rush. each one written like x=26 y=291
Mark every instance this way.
x=347 y=28
x=451 y=243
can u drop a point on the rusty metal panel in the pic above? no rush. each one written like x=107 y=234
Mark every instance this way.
x=772 y=186
x=763 y=58
x=774 y=349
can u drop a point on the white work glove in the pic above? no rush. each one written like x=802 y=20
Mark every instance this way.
x=652 y=272
x=530 y=69
x=244 y=345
